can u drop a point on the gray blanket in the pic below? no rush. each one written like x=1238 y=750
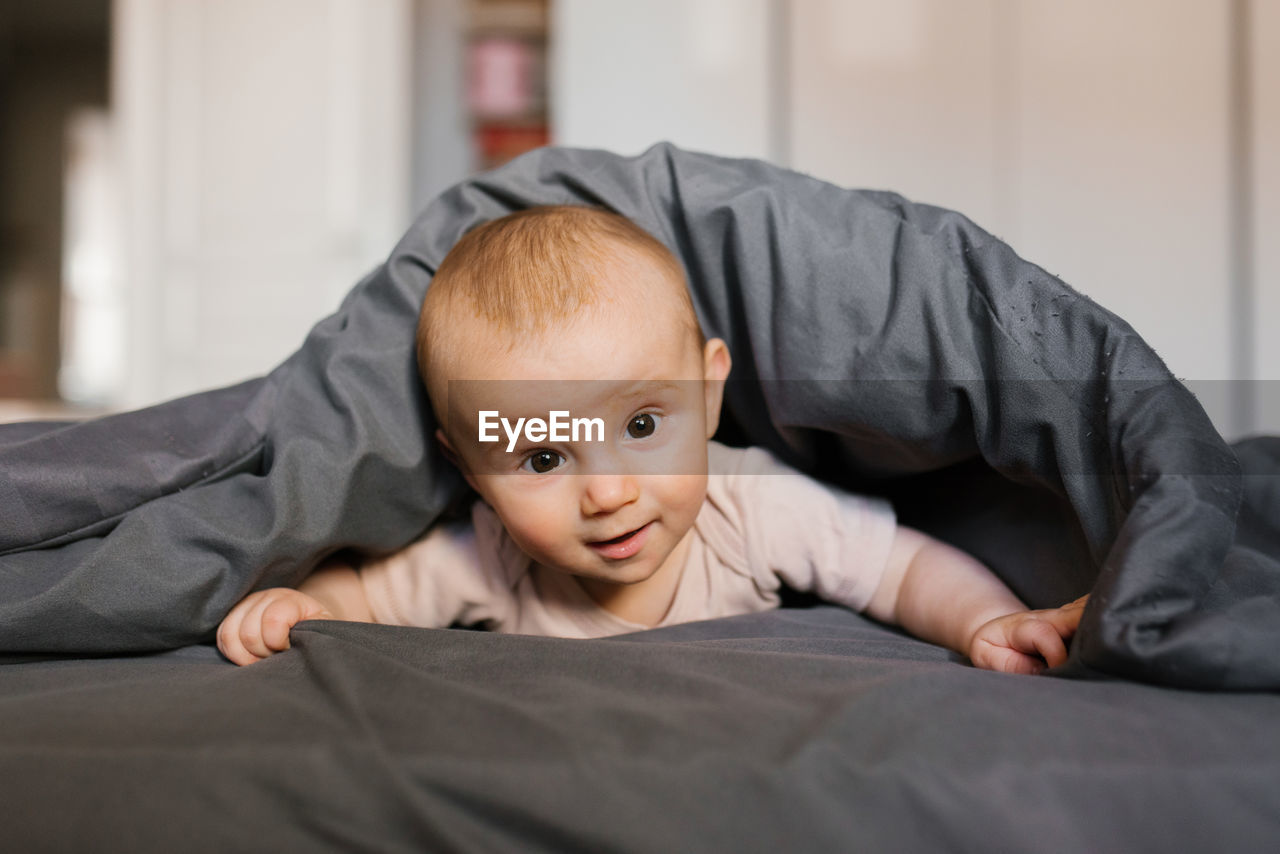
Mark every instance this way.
x=887 y=346
x=793 y=730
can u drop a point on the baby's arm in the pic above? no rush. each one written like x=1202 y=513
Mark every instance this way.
x=259 y=624
x=942 y=595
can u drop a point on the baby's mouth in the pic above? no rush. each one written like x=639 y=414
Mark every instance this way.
x=623 y=546
x=616 y=539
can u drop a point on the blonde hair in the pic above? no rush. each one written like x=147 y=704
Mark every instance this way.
x=530 y=269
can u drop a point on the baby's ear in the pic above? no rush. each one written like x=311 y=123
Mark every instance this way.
x=452 y=456
x=715 y=369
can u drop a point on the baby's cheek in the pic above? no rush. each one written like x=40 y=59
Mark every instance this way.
x=684 y=494
x=544 y=542
x=531 y=521
x=537 y=532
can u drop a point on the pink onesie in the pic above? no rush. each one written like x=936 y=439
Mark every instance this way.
x=763 y=524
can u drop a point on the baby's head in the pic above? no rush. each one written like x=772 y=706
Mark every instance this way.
x=578 y=311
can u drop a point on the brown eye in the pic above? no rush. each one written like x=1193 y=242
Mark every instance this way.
x=642 y=425
x=542 y=462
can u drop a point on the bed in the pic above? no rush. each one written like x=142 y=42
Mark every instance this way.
x=886 y=346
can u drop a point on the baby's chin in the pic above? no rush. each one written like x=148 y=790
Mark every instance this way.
x=619 y=573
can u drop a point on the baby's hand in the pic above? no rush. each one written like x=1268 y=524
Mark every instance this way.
x=259 y=624
x=1026 y=641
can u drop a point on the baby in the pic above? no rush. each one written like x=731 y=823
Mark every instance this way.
x=576 y=393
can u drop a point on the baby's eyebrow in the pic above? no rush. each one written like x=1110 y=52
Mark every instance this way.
x=644 y=387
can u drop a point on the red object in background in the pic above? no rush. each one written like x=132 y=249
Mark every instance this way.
x=506 y=85
x=502 y=80
x=500 y=143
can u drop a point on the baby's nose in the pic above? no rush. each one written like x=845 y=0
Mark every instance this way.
x=606 y=493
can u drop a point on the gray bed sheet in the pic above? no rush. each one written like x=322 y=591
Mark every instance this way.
x=800 y=729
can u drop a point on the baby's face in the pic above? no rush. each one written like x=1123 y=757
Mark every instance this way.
x=612 y=503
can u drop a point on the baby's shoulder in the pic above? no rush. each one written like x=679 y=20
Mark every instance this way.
x=496 y=552
x=474 y=545
x=450 y=544
x=742 y=483
x=727 y=461
x=752 y=484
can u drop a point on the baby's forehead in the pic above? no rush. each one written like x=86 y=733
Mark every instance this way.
x=588 y=354
x=624 y=300
x=494 y=349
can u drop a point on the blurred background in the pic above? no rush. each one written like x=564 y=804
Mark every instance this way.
x=186 y=186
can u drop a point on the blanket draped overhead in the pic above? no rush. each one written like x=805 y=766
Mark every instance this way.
x=882 y=345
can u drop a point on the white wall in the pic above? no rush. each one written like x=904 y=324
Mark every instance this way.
x=1120 y=178
x=624 y=75
x=1094 y=136
x=898 y=96
x=1265 y=144
x=266 y=162
x=265 y=168
x=441 y=134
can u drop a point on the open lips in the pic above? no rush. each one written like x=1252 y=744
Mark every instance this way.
x=624 y=546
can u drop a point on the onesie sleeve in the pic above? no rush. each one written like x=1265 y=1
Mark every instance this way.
x=812 y=536
x=436 y=582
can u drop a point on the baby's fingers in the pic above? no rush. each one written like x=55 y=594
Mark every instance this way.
x=283 y=614
x=229 y=642
x=251 y=626
x=277 y=618
x=1042 y=638
x=1067 y=618
x=1007 y=660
